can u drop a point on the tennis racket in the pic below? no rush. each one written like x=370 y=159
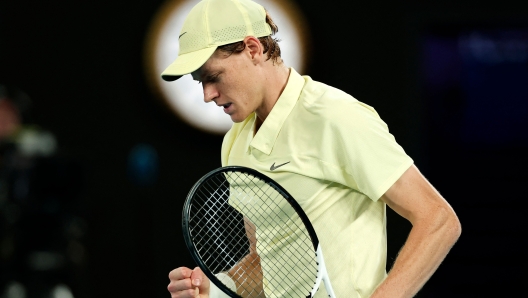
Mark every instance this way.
x=239 y=223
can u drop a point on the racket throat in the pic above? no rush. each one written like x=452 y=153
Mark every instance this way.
x=322 y=275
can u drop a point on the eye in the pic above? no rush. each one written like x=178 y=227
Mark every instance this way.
x=212 y=79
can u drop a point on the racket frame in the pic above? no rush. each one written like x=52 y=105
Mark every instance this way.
x=321 y=274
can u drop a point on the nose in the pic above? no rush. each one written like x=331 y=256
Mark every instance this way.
x=210 y=93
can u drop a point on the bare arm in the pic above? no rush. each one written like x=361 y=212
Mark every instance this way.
x=247 y=273
x=435 y=229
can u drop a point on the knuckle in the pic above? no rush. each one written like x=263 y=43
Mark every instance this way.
x=187 y=283
x=171 y=288
x=182 y=294
x=178 y=273
x=184 y=271
x=180 y=285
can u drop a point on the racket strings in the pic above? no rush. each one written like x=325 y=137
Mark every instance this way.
x=286 y=225
x=285 y=264
x=269 y=197
x=211 y=233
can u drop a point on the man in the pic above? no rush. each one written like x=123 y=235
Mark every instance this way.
x=331 y=152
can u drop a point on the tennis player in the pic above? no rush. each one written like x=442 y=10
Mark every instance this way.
x=331 y=152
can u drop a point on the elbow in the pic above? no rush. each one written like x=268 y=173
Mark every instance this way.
x=444 y=223
x=451 y=224
x=456 y=227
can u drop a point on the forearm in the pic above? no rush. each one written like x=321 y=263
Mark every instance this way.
x=427 y=245
x=247 y=275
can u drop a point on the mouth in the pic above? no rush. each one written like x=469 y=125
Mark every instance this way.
x=226 y=107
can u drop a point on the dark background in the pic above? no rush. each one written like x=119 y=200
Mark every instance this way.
x=81 y=62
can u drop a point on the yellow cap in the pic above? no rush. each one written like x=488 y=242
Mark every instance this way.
x=213 y=23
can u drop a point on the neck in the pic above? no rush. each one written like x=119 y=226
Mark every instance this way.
x=275 y=81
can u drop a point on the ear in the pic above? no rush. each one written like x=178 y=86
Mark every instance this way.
x=254 y=49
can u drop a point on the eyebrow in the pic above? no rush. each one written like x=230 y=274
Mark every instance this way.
x=208 y=75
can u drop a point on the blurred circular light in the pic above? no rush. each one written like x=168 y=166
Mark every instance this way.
x=185 y=96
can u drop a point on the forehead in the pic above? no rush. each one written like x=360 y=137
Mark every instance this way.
x=214 y=64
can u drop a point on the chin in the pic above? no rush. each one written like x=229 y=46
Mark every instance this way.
x=237 y=118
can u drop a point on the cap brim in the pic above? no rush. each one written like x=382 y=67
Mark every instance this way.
x=187 y=63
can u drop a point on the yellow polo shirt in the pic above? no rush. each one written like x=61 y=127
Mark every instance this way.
x=336 y=157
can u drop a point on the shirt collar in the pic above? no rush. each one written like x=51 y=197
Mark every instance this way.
x=267 y=134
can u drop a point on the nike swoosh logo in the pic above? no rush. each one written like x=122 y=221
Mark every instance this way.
x=181 y=35
x=273 y=167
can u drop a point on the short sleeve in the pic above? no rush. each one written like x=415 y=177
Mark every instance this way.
x=363 y=149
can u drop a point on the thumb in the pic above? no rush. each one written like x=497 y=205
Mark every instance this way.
x=200 y=281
